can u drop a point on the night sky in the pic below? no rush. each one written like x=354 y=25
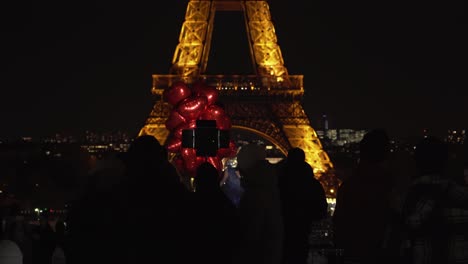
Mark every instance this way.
x=74 y=66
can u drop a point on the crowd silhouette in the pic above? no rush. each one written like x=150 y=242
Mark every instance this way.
x=395 y=207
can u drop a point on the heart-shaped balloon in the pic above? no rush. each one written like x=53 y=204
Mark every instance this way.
x=174 y=145
x=210 y=92
x=177 y=132
x=212 y=112
x=179 y=163
x=174 y=120
x=191 y=161
x=223 y=152
x=230 y=152
x=233 y=148
x=216 y=162
x=191 y=107
x=177 y=92
x=224 y=123
x=190 y=104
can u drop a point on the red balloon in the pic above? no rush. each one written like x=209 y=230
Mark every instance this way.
x=177 y=132
x=201 y=88
x=224 y=123
x=233 y=148
x=216 y=162
x=223 y=152
x=190 y=105
x=230 y=152
x=210 y=92
x=174 y=145
x=174 y=120
x=213 y=112
x=187 y=153
x=179 y=163
x=190 y=108
x=191 y=160
x=177 y=92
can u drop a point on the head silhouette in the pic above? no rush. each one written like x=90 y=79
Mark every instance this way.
x=296 y=155
x=431 y=155
x=374 y=147
x=145 y=149
x=206 y=178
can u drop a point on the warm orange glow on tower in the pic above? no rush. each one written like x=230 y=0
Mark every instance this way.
x=267 y=103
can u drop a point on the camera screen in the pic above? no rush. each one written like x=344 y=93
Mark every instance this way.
x=206 y=141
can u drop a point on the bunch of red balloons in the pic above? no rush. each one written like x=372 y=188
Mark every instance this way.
x=189 y=104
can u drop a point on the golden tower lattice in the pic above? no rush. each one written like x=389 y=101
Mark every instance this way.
x=267 y=103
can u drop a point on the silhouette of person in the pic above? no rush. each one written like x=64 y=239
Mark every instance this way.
x=435 y=212
x=18 y=233
x=158 y=205
x=43 y=243
x=216 y=223
x=10 y=244
x=402 y=169
x=231 y=185
x=303 y=203
x=455 y=164
x=95 y=220
x=59 y=254
x=260 y=215
x=362 y=206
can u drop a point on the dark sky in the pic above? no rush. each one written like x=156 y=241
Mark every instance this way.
x=72 y=66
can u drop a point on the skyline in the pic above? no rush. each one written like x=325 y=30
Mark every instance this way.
x=72 y=68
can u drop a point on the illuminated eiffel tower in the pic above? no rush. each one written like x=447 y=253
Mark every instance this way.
x=267 y=103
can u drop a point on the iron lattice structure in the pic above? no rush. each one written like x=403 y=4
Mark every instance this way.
x=267 y=103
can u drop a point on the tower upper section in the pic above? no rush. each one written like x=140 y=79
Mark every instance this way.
x=191 y=54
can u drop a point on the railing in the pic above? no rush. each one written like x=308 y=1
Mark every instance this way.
x=237 y=84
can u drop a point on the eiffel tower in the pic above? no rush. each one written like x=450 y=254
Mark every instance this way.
x=267 y=103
